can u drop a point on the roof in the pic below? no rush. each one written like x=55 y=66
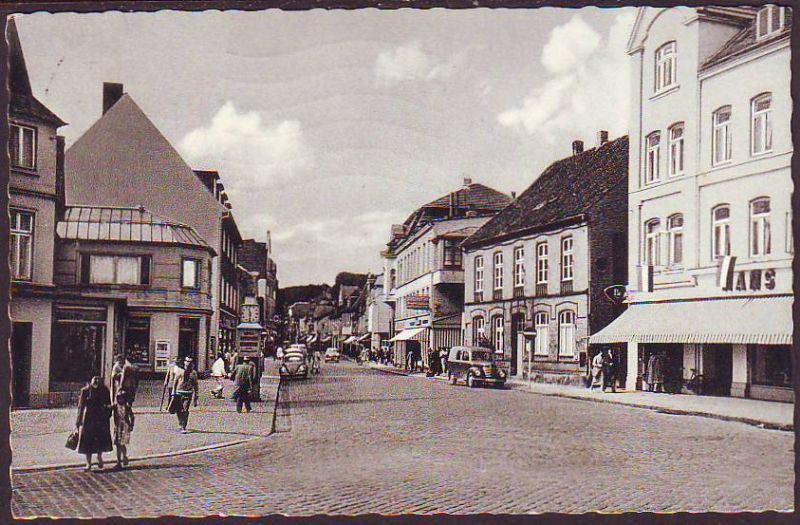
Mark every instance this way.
x=567 y=189
x=21 y=101
x=475 y=197
x=253 y=256
x=118 y=224
x=745 y=40
x=763 y=320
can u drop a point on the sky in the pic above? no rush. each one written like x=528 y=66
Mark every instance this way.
x=329 y=126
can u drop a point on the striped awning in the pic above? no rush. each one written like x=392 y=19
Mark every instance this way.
x=407 y=334
x=762 y=320
x=350 y=339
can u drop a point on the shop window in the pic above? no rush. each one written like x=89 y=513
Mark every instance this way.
x=22 y=146
x=666 y=66
x=721 y=146
x=77 y=349
x=761 y=124
x=721 y=231
x=137 y=341
x=541 y=345
x=773 y=365
x=189 y=274
x=760 y=234
x=21 y=250
x=676 y=150
x=652 y=160
x=675 y=233
x=566 y=333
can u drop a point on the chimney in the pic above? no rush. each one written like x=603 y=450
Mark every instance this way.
x=602 y=137
x=61 y=198
x=467 y=182
x=577 y=147
x=112 y=92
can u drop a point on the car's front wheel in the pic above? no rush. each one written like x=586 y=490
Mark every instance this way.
x=470 y=380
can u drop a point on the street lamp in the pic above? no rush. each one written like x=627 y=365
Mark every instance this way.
x=529 y=333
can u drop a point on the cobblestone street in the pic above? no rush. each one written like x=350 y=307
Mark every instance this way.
x=355 y=440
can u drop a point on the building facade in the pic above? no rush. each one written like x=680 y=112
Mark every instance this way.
x=710 y=201
x=545 y=261
x=378 y=313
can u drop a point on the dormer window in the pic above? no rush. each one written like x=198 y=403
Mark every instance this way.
x=666 y=66
x=769 y=20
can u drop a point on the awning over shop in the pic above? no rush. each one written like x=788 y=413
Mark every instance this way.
x=763 y=320
x=363 y=338
x=350 y=340
x=405 y=335
x=326 y=339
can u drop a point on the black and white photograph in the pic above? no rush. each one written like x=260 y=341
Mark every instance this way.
x=399 y=261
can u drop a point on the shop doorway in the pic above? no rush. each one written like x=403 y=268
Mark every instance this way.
x=415 y=348
x=77 y=347
x=661 y=362
x=718 y=369
x=21 y=343
x=188 y=338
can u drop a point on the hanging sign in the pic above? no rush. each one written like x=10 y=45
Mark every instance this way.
x=616 y=293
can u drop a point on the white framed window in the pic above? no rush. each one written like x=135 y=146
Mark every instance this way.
x=567 y=259
x=566 y=333
x=652 y=160
x=721 y=147
x=676 y=146
x=769 y=19
x=760 y=234
x=21 y=250
x=675 y=233
x=541 y=263
x=761 y=124
x=452 y=254
x=721 y=231
x=542 y=322
x=189 y=276
x=478 y=273
x=789 y=234
x=114 y=269
x=22 y=146
x=498 y=270
x=497 y=333
x=478 y=329
x=666 y=72
x=519 y=266
x=652 y=247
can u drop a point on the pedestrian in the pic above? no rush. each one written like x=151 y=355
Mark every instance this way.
x=596 y=372
x=410 y=360
x=92 y=423
x=609 y=371
x=123 y=426
x=124 y=376
x=443 y=359
x=656 y=372
x=185 y=388
x=243 y=379
x=218 y=373
x=279 y=353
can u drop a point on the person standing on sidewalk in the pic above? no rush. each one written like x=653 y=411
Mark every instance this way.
x=124 y=376
x=596 y=371
x=243 y=378
x=218 y=373
x=94 y=411
x=123 y=426
x=443 y=360
x=609 y=371
x=184 y=388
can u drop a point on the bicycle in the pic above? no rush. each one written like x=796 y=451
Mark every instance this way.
x=695 y=382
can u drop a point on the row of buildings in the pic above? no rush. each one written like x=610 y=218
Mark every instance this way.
x=117 y=245
x=689 y=216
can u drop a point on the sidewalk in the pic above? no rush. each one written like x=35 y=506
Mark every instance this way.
x=767 y=414
x=38 y=436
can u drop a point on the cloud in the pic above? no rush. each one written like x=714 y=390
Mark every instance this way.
x=589 y=86
x=410 y=62
x=254 y=154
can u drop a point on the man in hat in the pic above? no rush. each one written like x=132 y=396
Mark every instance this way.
x=185 y=387
x=243 y=377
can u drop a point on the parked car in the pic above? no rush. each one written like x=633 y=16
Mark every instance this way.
x=298 y=347
x=475 y=366
x=294 y=364
x=332 y=355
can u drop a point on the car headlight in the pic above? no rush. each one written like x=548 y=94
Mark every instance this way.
x=478 y=372
x=501 y=374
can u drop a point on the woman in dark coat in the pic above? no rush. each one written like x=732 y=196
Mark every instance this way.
x=94 y=412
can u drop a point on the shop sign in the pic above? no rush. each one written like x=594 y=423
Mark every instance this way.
x=731 y=280
x=616 y=293
x=418 y=302
x=162 y=355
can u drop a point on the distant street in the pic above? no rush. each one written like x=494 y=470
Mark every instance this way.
x=356 y=440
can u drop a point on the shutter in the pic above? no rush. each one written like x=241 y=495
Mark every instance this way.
x=85 y=268
x=144 y=274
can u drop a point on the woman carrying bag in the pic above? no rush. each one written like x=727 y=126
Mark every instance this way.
x=92 y=423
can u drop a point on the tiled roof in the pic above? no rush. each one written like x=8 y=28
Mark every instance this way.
x=745 y=40
x=475 y=197
x=102 y=223
x=565 y=190
x=29 y=107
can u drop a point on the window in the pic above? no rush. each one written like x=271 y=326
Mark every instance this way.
x=761 y=124
x=760 y=236
x=115 y=269
x=666 y=66
x=519 y=267
x=771 y=364
x=675 y=232
x=721 y=138
x=479 y=273
x=566 y=333
x=189 y=275
x=22 y=146
x=542 y=338
x=652 y=248
x=721 y=231
x=499 y=327
x=21 y=245
x=567 y=259
x=676 y=150
x=478 y=330
x=769 y=19
x=652 y=159
x=498 y=271
x=452 y=253
x=541 y=263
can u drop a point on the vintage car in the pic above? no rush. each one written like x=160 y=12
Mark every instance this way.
x=475 y=366
x=298 y=347
x=294 y=364
x=332 y=355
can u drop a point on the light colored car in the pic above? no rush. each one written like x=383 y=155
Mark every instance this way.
x=332 y=355
x=298 y=347
x=294 y=364
x=475 y=366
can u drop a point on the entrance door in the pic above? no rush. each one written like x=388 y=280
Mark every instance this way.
x=21 y=342
x=517 y=324
x=718 y=369
x=188 y=338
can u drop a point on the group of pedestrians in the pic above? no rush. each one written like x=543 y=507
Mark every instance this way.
x=603 y=371
x=244 y=376
x=437 y=360
x=96 y=406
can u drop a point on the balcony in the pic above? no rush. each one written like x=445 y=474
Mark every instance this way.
x=497 y=294
x=566 y=287
x=519 y=291
x=448 y=275
x=541 y=289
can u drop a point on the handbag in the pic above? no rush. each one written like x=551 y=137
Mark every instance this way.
x=72 y=439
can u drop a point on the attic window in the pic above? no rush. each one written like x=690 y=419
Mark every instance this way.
x=769 y=20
